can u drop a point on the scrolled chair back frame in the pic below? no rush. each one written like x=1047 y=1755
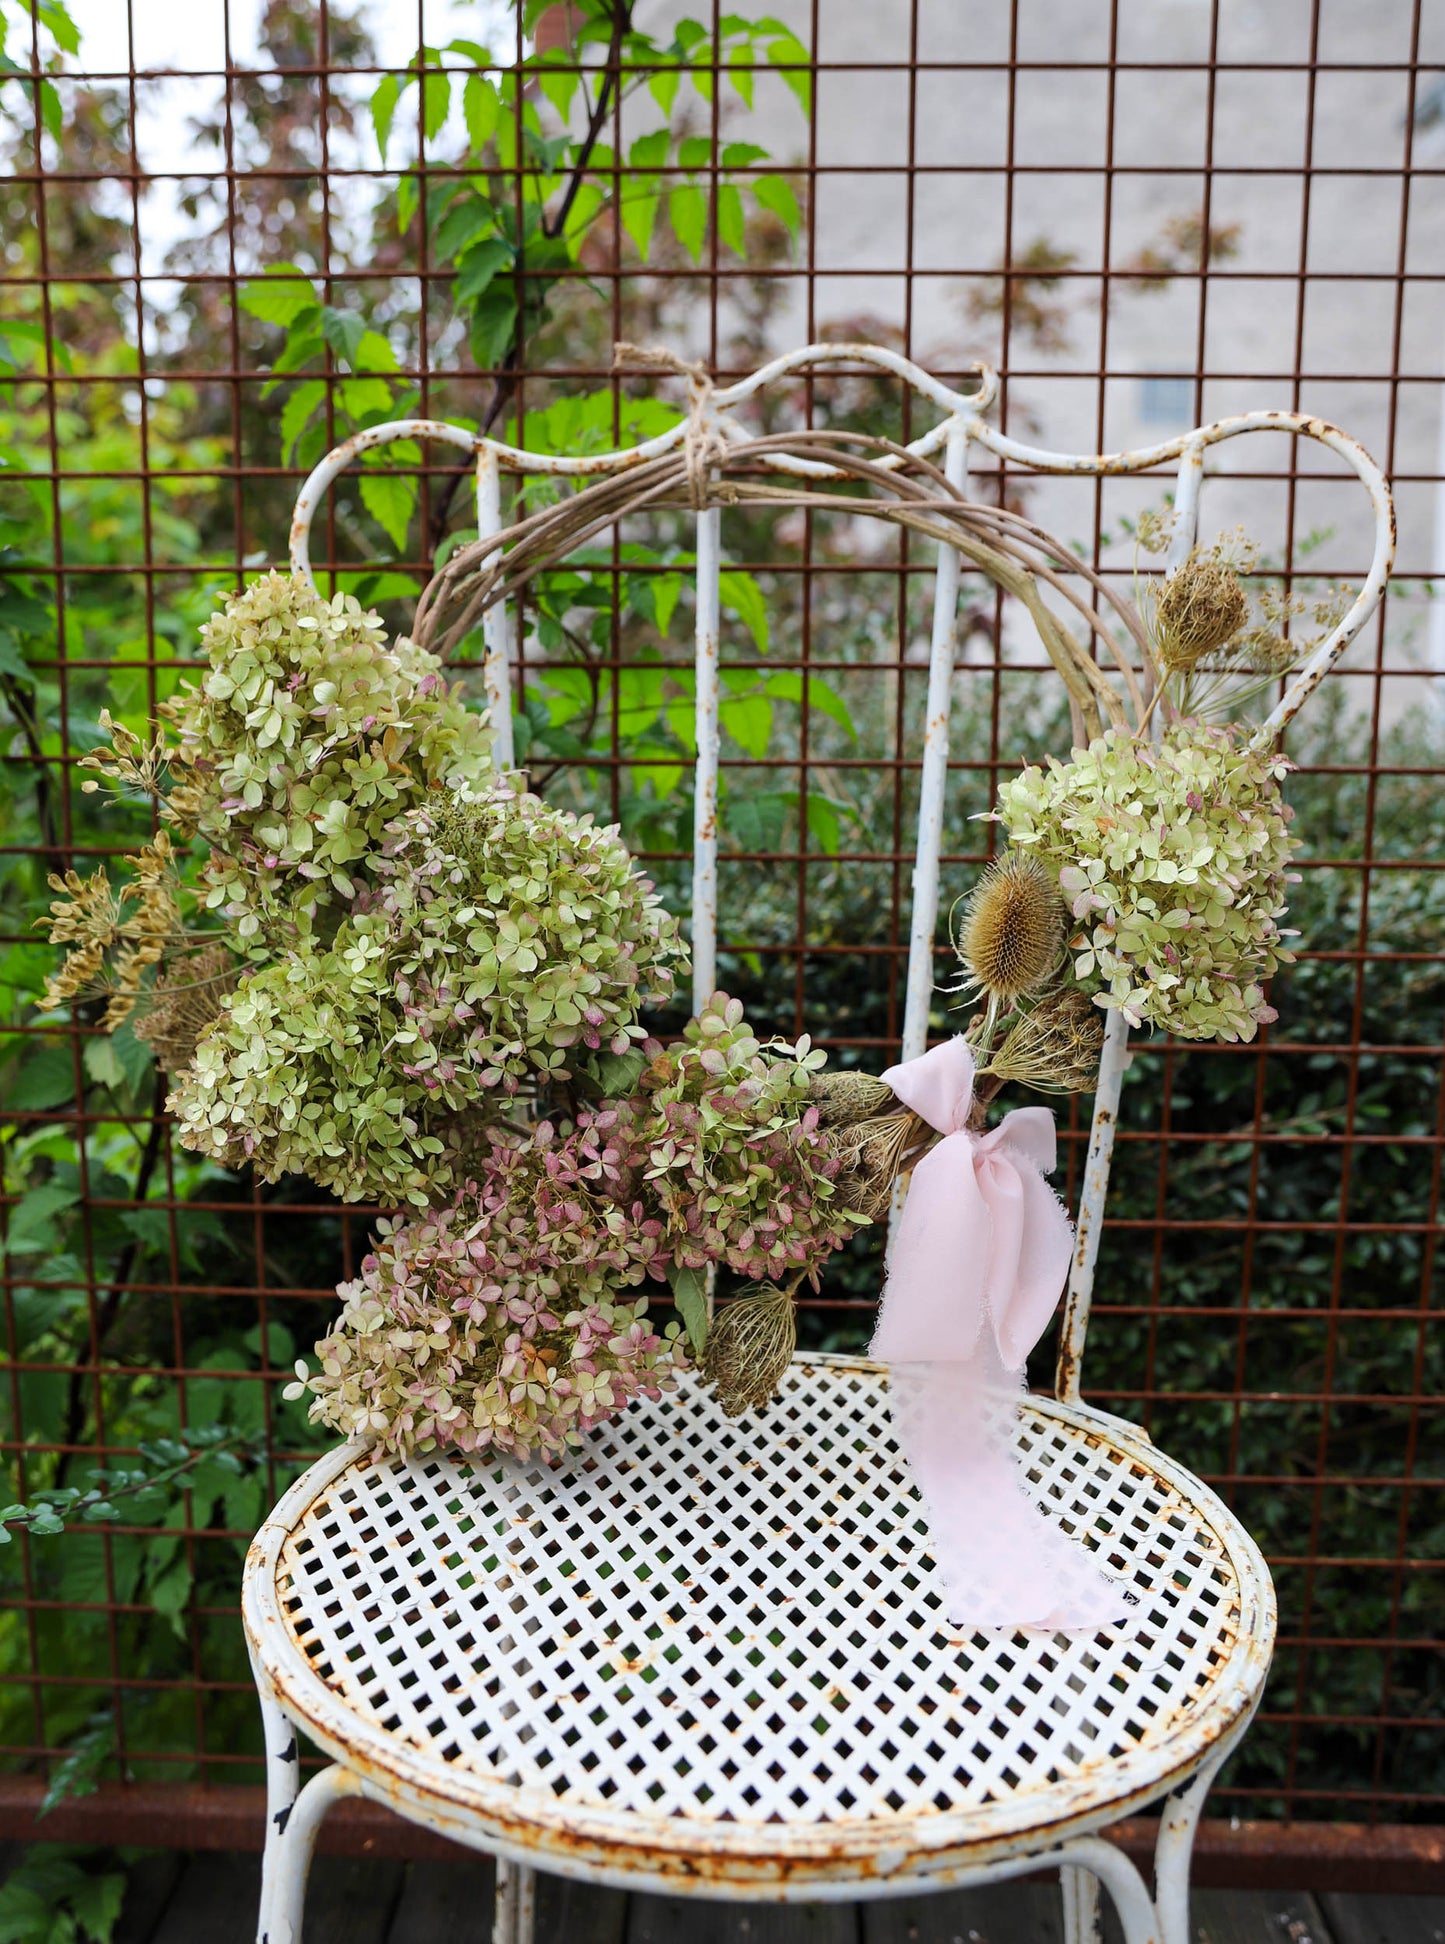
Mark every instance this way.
x=708 y=461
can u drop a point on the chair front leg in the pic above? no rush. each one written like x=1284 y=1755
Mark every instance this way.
x=293 y=1817
x=284 y=1868
x=1174 y=1854
x=516 y=1905
x=1081 y=1905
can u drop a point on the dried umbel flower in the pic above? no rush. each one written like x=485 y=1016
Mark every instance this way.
x=183 y=1002
x=750 y=1343
x=1055 y=1047
x=136 y=922
x=872 y=1153
x=845 y=1098
x=1013 y=928
x=1173 y=857
x=1198 y=608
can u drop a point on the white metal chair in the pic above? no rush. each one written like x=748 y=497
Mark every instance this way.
x=707 y=1658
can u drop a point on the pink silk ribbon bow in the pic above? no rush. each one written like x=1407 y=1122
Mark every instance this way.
x=977 y=1266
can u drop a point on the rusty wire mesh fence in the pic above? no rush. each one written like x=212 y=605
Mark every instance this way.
x=1146 y=216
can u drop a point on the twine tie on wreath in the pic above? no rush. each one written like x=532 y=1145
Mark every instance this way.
x=982 y=1252
x=703 y=443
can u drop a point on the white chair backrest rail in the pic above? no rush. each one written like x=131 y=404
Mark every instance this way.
x=961 y=427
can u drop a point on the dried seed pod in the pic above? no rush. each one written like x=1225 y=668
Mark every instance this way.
x=873 y=1152
x=1056 y=1046
x=750 y=1343
x=181 y=1004
x=1013 y=928
x=843 y=1099
x=1198 y=608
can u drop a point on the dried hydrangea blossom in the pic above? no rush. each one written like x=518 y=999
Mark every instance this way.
x=1173 y=859
x=517 y=932
x=485 y=1328
x=308 y=735
x=733 y=1154
x=504 y=934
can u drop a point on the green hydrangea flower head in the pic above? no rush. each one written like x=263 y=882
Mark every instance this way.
x=1173 y=859
x=504 y=938
x=309 y=734
x=519 y=935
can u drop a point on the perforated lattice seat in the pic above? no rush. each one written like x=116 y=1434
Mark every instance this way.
x=714 y=1649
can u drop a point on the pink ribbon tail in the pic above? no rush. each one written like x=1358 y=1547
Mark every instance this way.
x=977 y=1267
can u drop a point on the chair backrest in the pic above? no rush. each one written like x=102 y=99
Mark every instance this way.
x=961 y=427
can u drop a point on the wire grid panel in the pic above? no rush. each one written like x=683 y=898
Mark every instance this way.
x=1017 y=183
x=699 y=1638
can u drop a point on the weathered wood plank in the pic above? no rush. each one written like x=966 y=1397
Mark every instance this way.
x=580 y=1913
x=350 y=1899
x=216 y=1899
x=446 y=1903
x=1245 y=1917
x=1384 y=1920
x=150 y=1884
x=698 y=1920
x=1257 y=1917
x=1031 y=1912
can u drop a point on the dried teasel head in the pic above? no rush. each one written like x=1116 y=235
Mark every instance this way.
x=842 y=1099
x=1012 y=934
x=181 y=1004
x=1198 y=608
x=750 y=1343
x=1055 y=1047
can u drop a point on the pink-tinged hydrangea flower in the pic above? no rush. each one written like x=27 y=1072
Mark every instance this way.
x=728 y=1149
x=500 y=1323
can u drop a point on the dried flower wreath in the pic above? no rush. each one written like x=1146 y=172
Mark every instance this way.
x=364 y=956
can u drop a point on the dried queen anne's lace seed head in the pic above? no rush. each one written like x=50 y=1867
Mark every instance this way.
x=183 y=1002
x=749 y=1345
x=1173 y=859
x=1055 y=1047
x=1198 y=608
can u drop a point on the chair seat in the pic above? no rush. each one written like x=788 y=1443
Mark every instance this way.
x=707 y=1652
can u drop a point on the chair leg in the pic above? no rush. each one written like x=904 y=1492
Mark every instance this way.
x=1081 y=1905
x=516 y=1903
x=293 y=1817
x=1174 y=1853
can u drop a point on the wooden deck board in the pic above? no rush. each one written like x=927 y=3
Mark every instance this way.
x=445 y=1903
x=1257 y=1917
x=353 y=1900
x=1384 y=1920
x=693 y=1920
x=150 y=1884
x=1030 y=1912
